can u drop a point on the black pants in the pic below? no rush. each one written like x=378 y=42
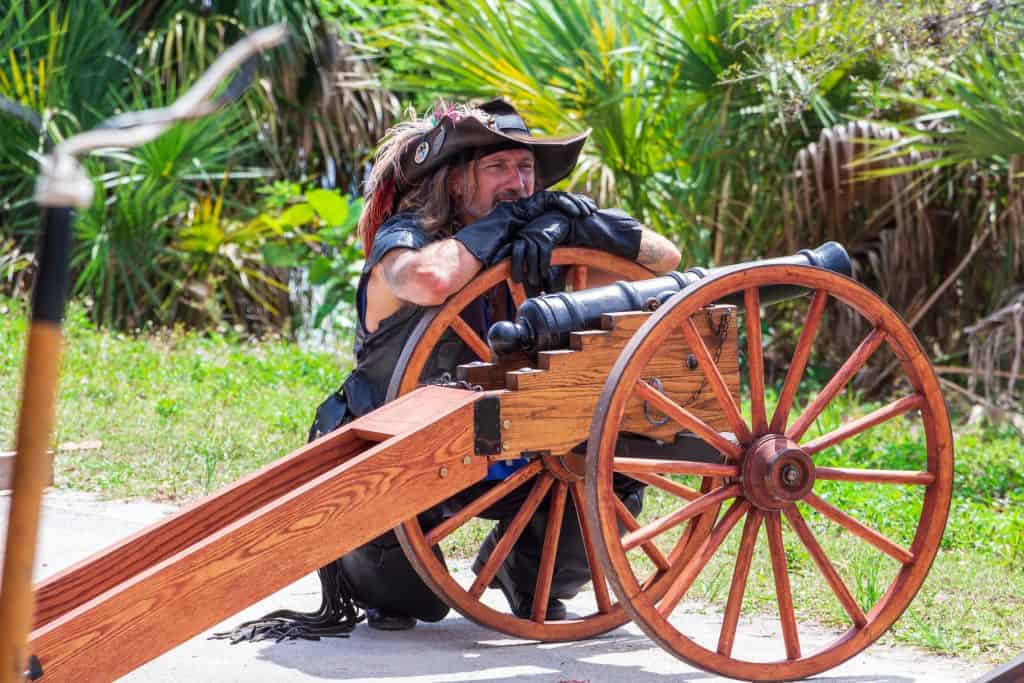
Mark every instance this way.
x=380 y=576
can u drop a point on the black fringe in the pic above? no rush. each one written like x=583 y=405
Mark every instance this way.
x=336 y=617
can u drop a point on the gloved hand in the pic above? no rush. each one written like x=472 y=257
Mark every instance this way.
x=611 y=230
x=532 y=246
x=572 y=205
x=487 y=236
x=608 y=230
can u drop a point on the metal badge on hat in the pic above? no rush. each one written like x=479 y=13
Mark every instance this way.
x=422 y=150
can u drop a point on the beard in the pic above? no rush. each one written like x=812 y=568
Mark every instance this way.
x=476 y=208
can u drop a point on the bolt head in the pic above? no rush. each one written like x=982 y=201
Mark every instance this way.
x=443 y=472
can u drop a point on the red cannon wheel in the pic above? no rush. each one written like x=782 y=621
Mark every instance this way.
x=777 y=469
x=545 y=475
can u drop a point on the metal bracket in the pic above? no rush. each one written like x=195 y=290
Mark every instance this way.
x=35 y=669
x=487 y=426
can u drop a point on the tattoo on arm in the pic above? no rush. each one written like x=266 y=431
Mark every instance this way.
x=657 y=253
x=651 y=252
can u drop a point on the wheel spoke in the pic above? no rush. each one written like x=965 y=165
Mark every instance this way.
x=681 y=584
x=717 y=382
x=912 y=477
x=883 y=414
x=546 y=570
x=604 y=602
x=783 y=594
x=852 y=365
x=441 y=531
x=651 y=466
x=689 y=538
x=659 y=526
x=667 y=485
x=893 y=550
x=755 y=359
x=471 y=338
x=739 y=583
x=799 y=363
x=629 y=521
x=842 y=593
x=686 y=419
x=517 y=290
x=508 y=539
x=580 y=277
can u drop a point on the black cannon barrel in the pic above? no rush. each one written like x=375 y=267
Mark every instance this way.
x=545 y=322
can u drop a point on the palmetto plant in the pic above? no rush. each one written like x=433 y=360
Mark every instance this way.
x=139 y=250
x=969 y=132
x=57 y=60
x=932 y=204
x=690 y=128
x=568 y=66
x=120 y=250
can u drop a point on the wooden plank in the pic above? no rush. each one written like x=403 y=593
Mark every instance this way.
x=553 y=409
x=85 y=580
x=1010 y=672
x=492 y=375
x=267 y=547
x=588 y=339
x=627 y=321
x=7 y=470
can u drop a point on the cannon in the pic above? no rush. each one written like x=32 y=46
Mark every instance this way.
x=658 y=395
x=545 y=322
x=561 y=414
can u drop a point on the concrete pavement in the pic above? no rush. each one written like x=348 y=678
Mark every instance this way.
x=454 y=650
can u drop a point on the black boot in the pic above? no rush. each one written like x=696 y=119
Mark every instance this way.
x=384 y=620
x=521 y=602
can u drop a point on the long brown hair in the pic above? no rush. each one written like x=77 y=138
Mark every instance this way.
x=437 y=199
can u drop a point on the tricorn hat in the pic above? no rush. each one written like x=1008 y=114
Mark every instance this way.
x=499 y=127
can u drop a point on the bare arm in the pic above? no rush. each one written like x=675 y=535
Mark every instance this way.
x=425 y=277
x=657 y=253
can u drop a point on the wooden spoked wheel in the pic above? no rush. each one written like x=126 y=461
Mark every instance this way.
x=543 y=477
x=778 y=468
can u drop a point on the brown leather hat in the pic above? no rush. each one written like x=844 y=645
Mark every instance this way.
x=501 y=127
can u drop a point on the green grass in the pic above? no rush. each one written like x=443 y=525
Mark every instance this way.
x=178 y=414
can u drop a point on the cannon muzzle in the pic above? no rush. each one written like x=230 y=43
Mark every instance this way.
x=545 y=322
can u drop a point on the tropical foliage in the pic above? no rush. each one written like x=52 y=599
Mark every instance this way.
x=745 y=128
x=740 y=128
x=178 y=229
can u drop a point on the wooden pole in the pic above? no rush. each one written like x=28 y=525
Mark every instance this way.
x=32 y=470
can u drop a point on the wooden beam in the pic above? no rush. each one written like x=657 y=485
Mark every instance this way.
x=7 y=470
x=318 y=503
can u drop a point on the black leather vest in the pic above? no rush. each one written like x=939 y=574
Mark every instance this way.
x=377 y=352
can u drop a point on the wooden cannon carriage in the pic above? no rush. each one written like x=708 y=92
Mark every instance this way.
x=658 y=396
x=674 y=373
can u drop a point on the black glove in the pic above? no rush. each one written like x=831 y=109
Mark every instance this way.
x=572 y=205
x=532 y=246
x=610 y=230
x=487 y=236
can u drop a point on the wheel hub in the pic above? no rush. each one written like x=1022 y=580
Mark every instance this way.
x=776 y=472
x=569 y=467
